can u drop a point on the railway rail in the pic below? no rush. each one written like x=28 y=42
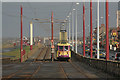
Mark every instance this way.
x=26 y=65
x=74 y=68
x=41 y=67
x=44 y=54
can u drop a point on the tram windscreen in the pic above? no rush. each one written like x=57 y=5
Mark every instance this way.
x=60 y=48
x=66 y=48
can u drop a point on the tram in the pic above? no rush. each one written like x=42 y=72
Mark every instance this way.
x=63 y=51
x=63 y=47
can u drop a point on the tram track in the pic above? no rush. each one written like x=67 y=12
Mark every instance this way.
x=63 y=71
x=46 y=55
x=43 y=55
x=39 y=54
x=68 y=70
x=35 y=72
x=80 y=70
x=66 y=75
x=13 y=74
x=7 y=67
x=25 y=66
x=75 y=68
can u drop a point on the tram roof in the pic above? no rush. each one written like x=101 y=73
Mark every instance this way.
x=67 y=44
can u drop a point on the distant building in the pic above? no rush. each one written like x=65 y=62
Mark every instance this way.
x=118 y=18
x=118 y=15
x=102 y=34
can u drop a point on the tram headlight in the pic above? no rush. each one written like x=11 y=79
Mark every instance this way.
x=67 y=53
x=59 y=54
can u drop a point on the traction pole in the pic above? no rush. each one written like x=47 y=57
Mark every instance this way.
x=107 y=32
x=83 y=30
x=52 y=42
x=91 y=50
x=21 y=46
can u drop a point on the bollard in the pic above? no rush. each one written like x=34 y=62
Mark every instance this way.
x=114 y=48
x=110 y=47
x=52 y=52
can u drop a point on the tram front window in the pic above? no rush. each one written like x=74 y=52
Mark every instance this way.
x=66 y=48
x=60 y=48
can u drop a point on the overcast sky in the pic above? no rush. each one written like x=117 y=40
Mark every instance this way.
x=11 y=17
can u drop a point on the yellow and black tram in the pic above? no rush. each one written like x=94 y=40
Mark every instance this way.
x=63 y=47
x=63 y=51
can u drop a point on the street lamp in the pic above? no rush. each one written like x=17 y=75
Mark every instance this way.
x=73 y=29
x=98 y=29
x=31 y=32
x=73 y=9
x=31 y=35
x=77 y=3
x=102 y=19
x=69 y=26
x=76 y=27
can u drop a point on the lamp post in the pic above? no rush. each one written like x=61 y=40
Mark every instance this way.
x=76 y=28
x=102 y=20
x=31 y=35
x=98 y=30
x=69 y=26
x=73 y=29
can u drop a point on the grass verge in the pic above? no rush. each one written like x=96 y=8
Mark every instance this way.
x=16 y=53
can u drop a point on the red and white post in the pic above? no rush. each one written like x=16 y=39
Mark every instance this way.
x=107 y=31
x=31 y=35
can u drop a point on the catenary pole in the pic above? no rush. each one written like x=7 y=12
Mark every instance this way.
x=83 y=30
x=21 y=50
x=91 y=50
x=52 y=42
x=107 y=31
